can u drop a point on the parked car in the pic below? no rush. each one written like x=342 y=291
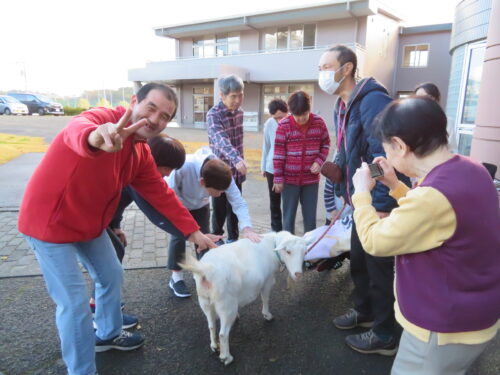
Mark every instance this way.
x=12 y=106
x=38 y=103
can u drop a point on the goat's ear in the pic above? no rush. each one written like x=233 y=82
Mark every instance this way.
x=279 y=247
x=281 y=238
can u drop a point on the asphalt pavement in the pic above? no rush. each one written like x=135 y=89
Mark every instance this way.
x=300 y=340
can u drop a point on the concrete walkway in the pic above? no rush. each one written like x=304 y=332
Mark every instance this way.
x=301 y=340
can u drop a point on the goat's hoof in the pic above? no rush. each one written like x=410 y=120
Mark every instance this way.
x=269 y=317
x=227 y=360
x=214 y=348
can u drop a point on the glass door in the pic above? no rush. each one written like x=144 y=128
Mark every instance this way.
x=471 y=83
x=203 y=100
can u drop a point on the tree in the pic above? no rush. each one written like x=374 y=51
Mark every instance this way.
x=103 y=102
x=83 y=103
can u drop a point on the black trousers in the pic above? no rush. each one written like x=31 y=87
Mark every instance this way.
x=221 y=210
x=373 y=279
x=117 y=244
x=274 y=205
x=177 y=245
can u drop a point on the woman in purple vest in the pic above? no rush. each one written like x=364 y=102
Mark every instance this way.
x=445 y=236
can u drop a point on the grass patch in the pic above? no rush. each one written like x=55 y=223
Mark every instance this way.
x=12 y=146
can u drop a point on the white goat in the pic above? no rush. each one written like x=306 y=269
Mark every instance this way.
x=234 y=275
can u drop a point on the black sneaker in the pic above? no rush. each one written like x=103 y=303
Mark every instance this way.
x=369 y=343
x=129 y=321
x=352 y=319
x=124 y=341
x=179 y=288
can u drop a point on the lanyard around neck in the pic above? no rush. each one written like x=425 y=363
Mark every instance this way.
x=341 y=127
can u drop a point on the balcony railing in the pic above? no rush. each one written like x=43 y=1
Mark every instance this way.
x=264 y=51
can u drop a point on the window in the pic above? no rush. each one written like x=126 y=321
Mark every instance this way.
x=416 y=56
x=270 y=40
x=218 y=45
x=282 y=92
x=309 y=36
x=233 y=44
x=289 y=37
x=473 y=71
x=203 y=100
x=282 y=37
x=296 y=37
x=221 y=45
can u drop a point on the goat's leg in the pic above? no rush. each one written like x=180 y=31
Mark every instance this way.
x=209 y=311
x=227 y=316
x=264 y=294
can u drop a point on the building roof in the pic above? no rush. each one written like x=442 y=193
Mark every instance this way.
x=426 y=28
x=333 y=9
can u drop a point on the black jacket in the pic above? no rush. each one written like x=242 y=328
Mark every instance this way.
x=367 y=100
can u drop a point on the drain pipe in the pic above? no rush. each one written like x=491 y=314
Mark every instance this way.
x=356 y=23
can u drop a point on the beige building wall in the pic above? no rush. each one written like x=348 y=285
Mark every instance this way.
x=338 y=31
x=323 y=105
x=186 y=99
x=438 y=65
x=253 y=99
x=249 y=41
x=186 y=47
x=382 y=35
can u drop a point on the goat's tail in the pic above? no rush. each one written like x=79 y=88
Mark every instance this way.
x=190 y=263
x=203 y=273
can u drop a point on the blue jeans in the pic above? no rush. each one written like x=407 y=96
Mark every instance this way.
x=67 y=288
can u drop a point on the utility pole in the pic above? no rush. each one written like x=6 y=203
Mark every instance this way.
x=23 y=73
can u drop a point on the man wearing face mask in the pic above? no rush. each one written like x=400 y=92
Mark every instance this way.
x=357 y=105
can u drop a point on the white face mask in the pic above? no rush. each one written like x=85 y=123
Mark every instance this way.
x=326 y=81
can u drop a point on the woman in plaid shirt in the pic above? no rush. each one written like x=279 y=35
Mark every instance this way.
x=300 y=149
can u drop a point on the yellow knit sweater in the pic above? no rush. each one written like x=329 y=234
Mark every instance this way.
x=423 y=221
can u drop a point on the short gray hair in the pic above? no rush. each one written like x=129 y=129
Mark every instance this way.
x=230 y=83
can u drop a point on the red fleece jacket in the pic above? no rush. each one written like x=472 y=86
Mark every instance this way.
x=74 y=192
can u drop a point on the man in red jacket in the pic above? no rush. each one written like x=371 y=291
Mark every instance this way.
x=70 y=200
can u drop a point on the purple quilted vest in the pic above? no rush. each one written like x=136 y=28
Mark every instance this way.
x=456 y=287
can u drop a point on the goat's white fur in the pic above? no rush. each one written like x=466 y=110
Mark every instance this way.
x=234 y=275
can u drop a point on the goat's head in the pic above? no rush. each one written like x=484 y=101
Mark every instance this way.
x=291 y=250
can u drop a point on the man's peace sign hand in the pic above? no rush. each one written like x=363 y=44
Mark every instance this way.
x=109 y=137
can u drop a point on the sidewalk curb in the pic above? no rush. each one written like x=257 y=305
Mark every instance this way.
x=9 y=209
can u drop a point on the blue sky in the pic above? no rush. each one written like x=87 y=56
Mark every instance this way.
x=67 y=47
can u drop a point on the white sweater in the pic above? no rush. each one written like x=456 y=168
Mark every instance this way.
x=266 y=164
x=186 y=184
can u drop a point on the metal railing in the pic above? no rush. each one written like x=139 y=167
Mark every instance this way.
x=263 y=52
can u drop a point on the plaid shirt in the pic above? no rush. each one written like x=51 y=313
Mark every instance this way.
x=225 y=136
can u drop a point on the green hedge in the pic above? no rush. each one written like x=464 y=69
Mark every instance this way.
x=72 y=111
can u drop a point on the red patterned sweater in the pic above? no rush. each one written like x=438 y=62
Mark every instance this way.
x=296 y=148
